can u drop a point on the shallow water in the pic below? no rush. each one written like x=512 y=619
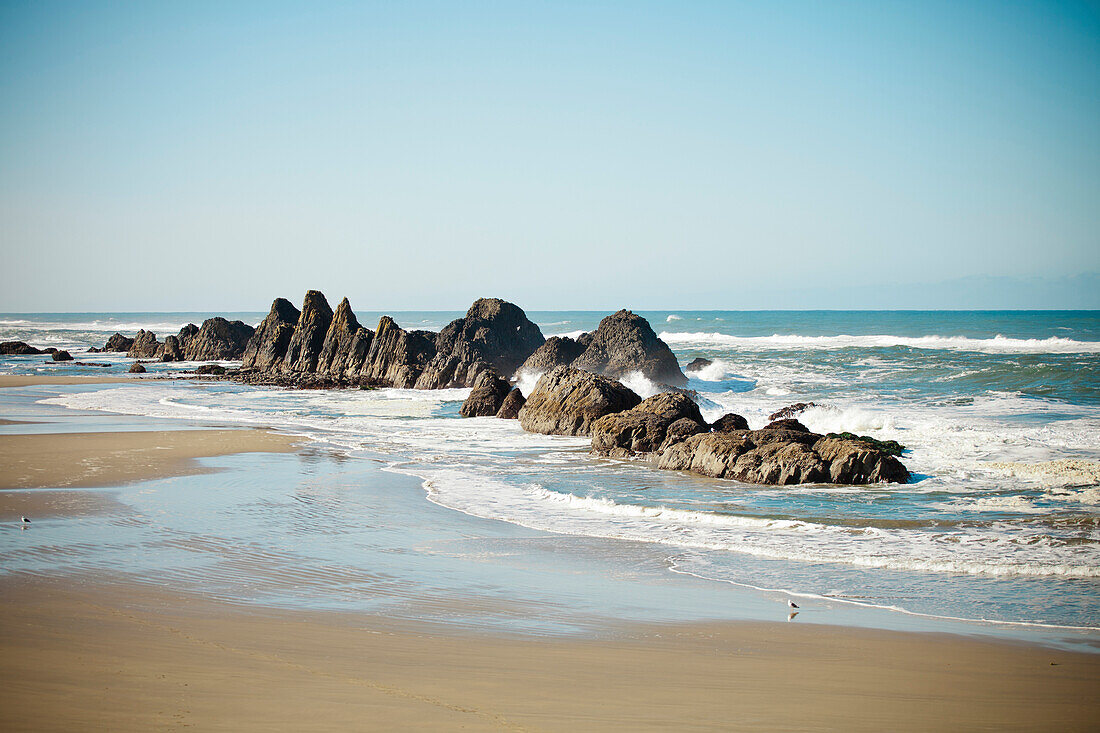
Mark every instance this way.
x=978 y=399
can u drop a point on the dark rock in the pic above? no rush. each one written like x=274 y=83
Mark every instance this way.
x=118 y=342
x=509 y=409
x=337 y=345
x=18 y=348
x=681 y=430
x=184 y=336
x=305 y=345
x=61 y=356
x=49 y=350
x=396 y=357
x=494 y=333
x=643 y=429
x=782 y=457
x=697 y=364
x=357 y=353
x=557 y=351
x=787 y=424
x=566 y=401
x=136 y=368
x=269 y=342
x=624 y=343
x=218 y=339
x=857 y=462
x=145 y=346
x=731 y=421
x=216 y=369
x=486 y=397
x=891 y=447
x=172 y=350
x=790 y=411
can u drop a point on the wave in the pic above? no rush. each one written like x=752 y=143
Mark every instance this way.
x=996 y=345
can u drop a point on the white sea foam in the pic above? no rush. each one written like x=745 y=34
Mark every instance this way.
x=996 y=345
x=672 y=318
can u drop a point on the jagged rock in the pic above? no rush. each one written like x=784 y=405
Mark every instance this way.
x=857 y=462
x=494 y=333
x=787 y=424
x=118 y=342
x=509 y=409
x=136 y=368
x=731 y=421
x=309 y=336
x=185 y=335
x=269 y=342
x=172 y=350
x=624 y=343
x=790 y=411
x=643 y=429
x=61 y=356
x=556 y=351
x=18 y=348
x=697 y=364
x=396 y=357
x=782 y=457
x=145 y=346
x=357 y=353
x=486 y=397
x=341 y=332
x=216 y=369
x=218 y=339
x=566 y=401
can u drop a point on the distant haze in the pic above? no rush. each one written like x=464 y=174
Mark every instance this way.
x=206 y=155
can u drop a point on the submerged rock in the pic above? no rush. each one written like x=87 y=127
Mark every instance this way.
x=790 y=411
x=566 y=401
x=625 y=343
x=269 y=342
x=509 y=409
x=697 y=364
x=644 y=428
x=486 y=397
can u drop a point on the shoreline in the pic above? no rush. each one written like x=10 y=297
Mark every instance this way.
x=130 y=657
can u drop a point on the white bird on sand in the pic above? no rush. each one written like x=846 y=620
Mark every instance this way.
x=791 y=603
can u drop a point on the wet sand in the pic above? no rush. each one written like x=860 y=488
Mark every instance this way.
x=68 y=460
x=126 y=658
x=19 y=380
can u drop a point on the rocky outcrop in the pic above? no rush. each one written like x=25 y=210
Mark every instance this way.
x=782 y=457
x=566 y=401
x=697 y=364
x=305 y=345
x=216 y=369
x=61 y=356
x=487 y=396
x=119 y=343
x=625 y=343
x=728 y=422
x=185 y=335
x=18 y=348
x=136 y=368
x=644 y=428
x=396 y=357
x=513 y=403
x=787 y=424
x=556 y=351
x=145 y=346
x=171 y=350
x=269 y=342
x=790 y=411
x=494 y=333
x=218 y=339
x=337 y=344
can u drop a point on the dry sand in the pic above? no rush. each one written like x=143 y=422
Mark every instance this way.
x=64 y=460
x=124 y=658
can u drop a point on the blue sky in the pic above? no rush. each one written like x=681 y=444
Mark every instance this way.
x=183 y=156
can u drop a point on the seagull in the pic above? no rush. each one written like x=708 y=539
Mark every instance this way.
x=791 y=603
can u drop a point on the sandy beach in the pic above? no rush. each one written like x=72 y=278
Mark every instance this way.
x=125 y=658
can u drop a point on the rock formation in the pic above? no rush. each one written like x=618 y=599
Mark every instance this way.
x=697 y=364
x=118 y=342
x=556 y=351
x=61 y=356
x=136 y=368
x=338 y=339
x=171 y=350
x=566 y=401
x=215 y=369
x=624 y=343
x=305 y=345
x=145 y=346
x=18 y=348
x=728 y=422
x=218 y=339
x=513 y=403
x=790 y=411
x=644 y=428
x=487 y=396
x=269 y=343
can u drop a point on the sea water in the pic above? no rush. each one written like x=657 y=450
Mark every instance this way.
x=999 y=413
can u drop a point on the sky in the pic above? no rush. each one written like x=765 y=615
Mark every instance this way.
x=591 y=155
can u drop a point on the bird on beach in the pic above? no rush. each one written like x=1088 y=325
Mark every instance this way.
x=791 y=603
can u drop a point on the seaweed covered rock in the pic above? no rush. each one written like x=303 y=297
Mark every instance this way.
x=644 y=428
x=269 y=342
x=566 y=401
x=858 y=462
x=625 y=343
x=486 y=397
x=513 y=402
x=494 y=334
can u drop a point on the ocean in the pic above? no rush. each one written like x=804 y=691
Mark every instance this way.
x=999 y=413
